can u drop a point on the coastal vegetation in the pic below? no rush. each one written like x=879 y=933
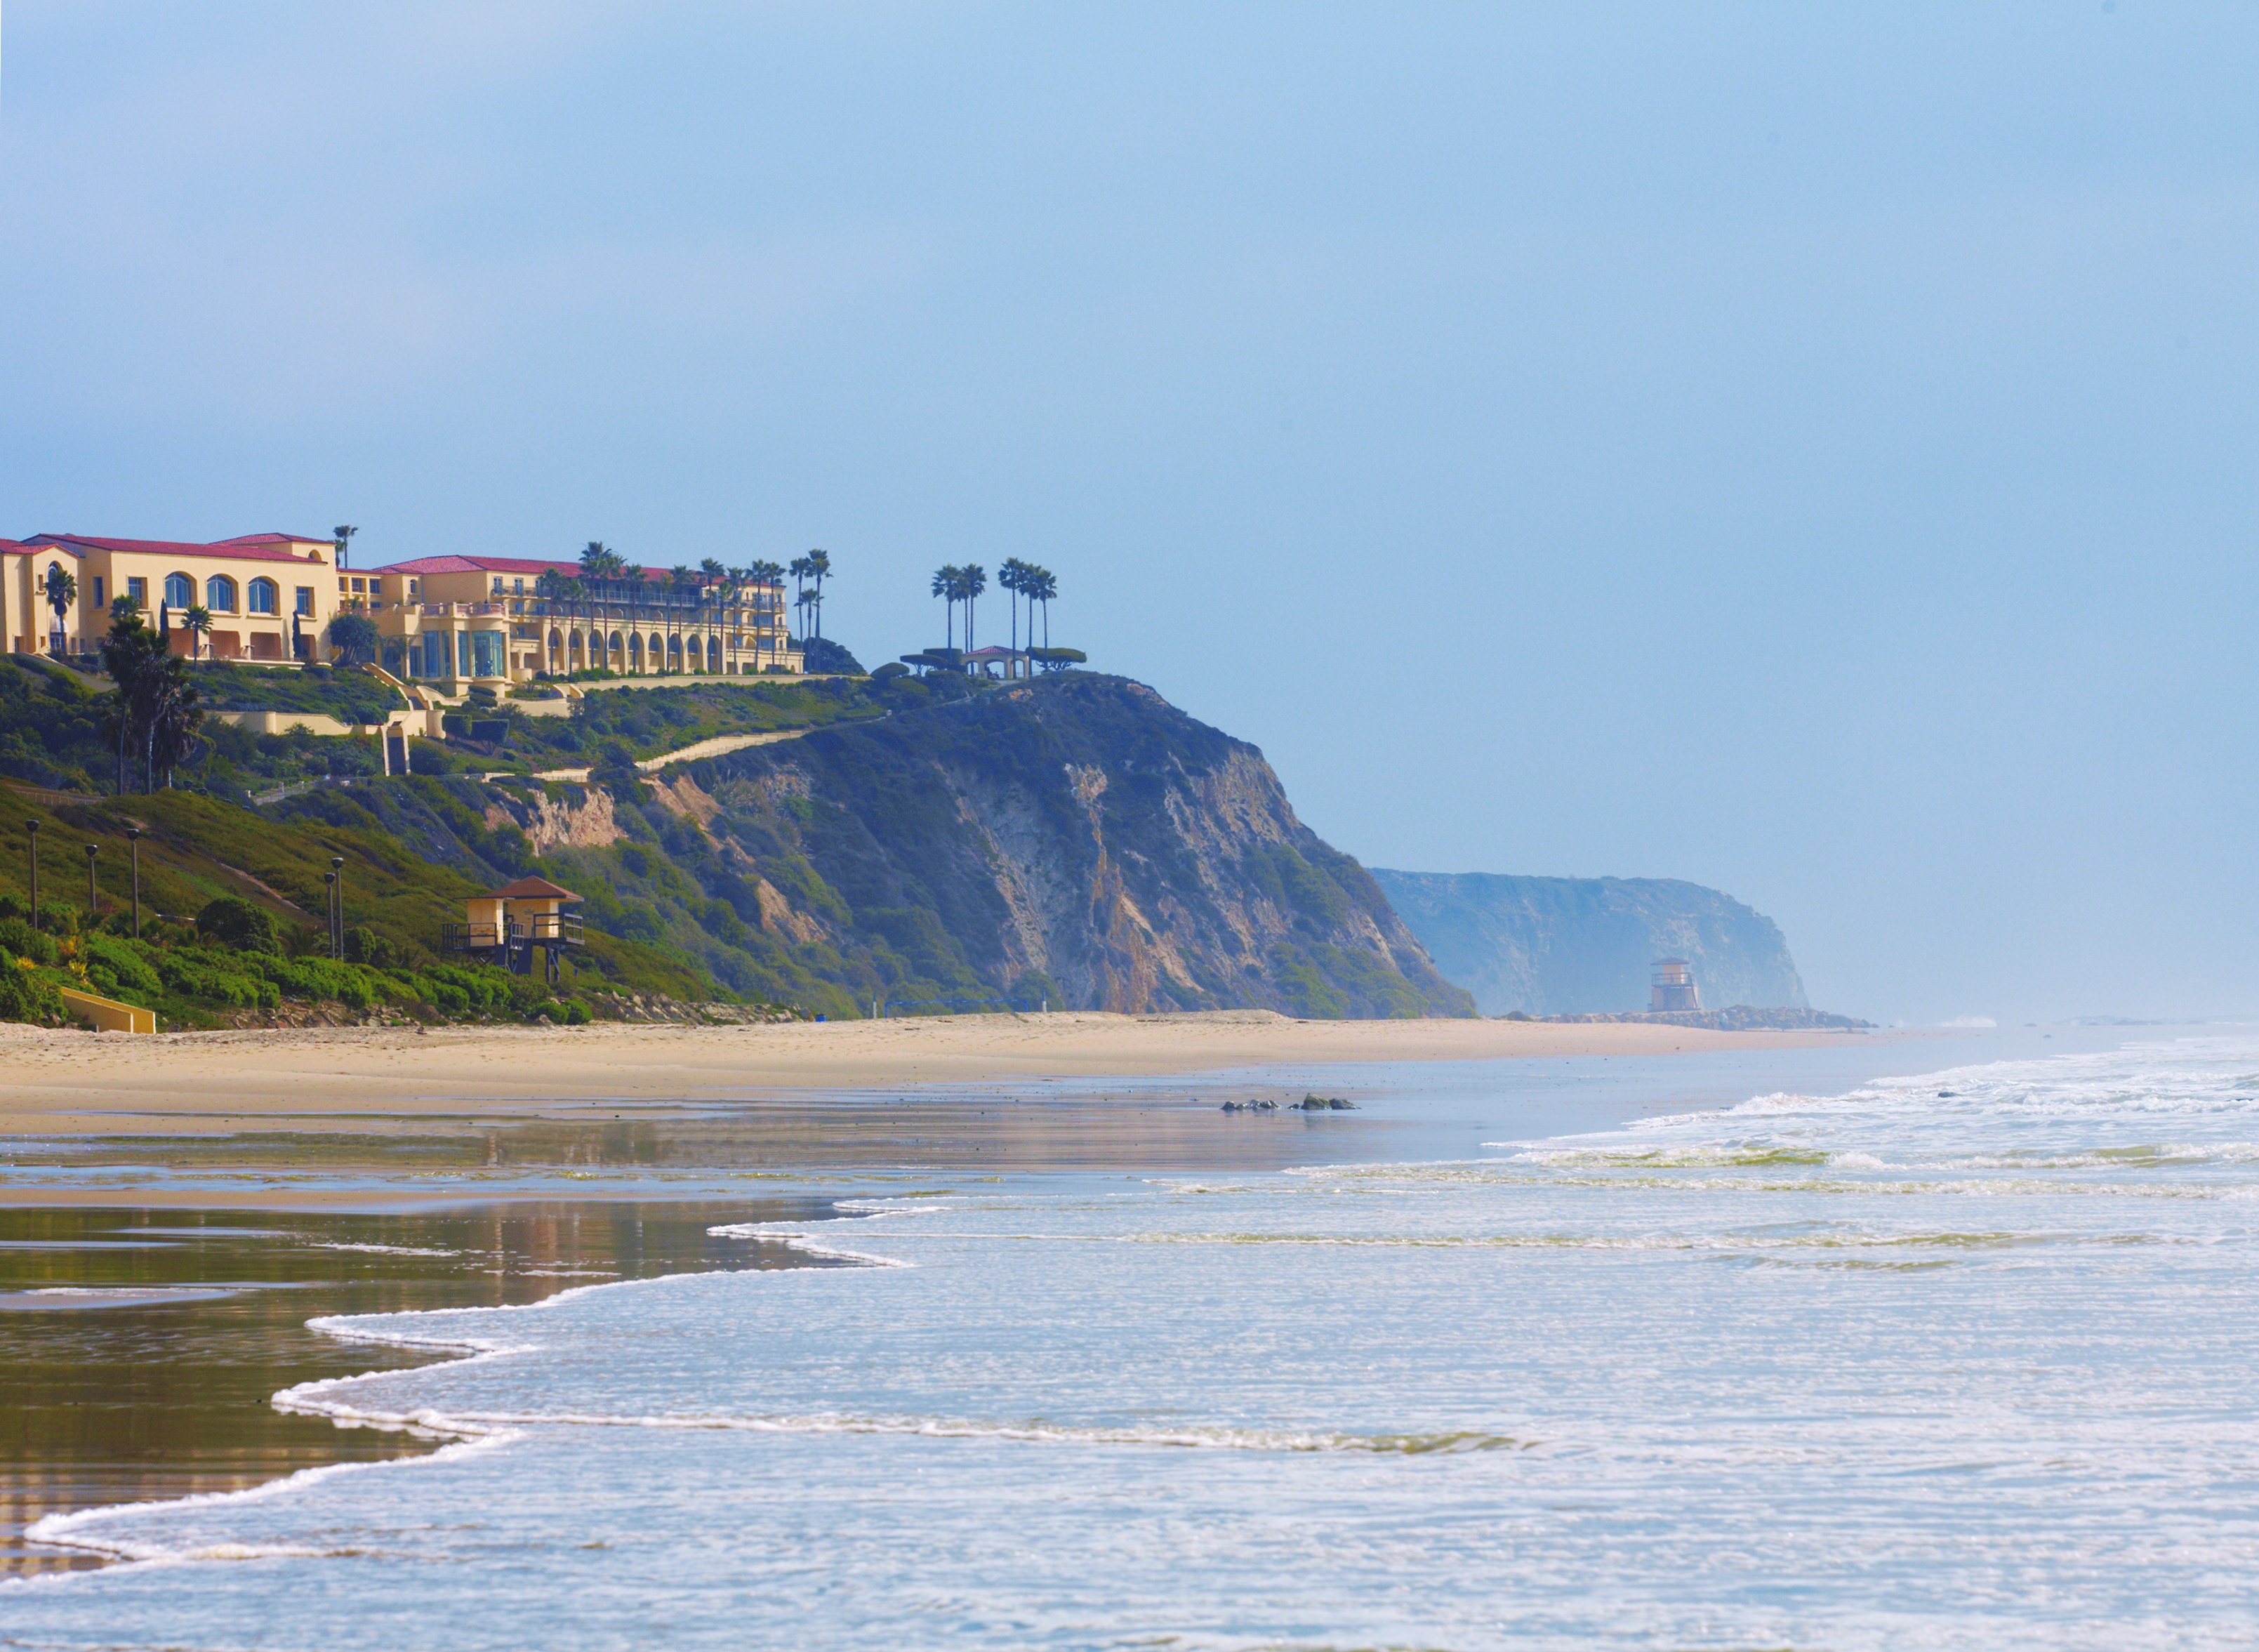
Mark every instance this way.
x=232 y=926
x=901 y=843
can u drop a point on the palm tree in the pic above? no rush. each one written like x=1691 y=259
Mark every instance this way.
x=976 y=581
x=61 y=589
x=130 y=650
x=341 y=537
x=948 y=584
x=800 y=567
x=173 y=716
x=819 y=568
x=196 y=621
x=1013 y=576
x=767 y=577
x=1040 y=585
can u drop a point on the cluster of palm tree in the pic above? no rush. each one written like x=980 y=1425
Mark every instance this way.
x=1027 y=583
x=153 y=715
x=1031 y=585
x=954 y=585
x=809 y=573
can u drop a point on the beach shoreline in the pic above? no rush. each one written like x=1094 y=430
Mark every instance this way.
x=363 y=1080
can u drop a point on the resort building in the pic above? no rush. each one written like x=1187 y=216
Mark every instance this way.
x=270 y=595
x=459 y=620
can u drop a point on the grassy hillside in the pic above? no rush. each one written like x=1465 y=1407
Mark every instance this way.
x=51 y=726
x=196 y=850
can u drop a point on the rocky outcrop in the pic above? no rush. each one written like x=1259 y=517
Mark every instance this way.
x=1568 y=945
x=1076 y=841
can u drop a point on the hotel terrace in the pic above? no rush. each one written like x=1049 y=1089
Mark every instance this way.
x=462 y=619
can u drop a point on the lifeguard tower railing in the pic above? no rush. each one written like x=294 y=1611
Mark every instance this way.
x=543 y=928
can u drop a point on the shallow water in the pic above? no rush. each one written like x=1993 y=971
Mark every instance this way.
x=1883 y=1367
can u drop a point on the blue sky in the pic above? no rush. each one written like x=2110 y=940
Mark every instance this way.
x=1804 y=450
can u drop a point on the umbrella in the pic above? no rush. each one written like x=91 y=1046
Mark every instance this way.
x=297 y=639
x=164 y=619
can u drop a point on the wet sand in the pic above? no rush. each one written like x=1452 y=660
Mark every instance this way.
x=139 y=1349
x=383 y=1081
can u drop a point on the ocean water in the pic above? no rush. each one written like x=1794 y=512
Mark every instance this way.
x=1960 y=1359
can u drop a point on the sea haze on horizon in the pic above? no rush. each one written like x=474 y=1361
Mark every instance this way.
x=1807 y=454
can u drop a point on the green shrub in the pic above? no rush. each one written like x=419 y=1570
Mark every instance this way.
x=239 y=924
x=21 y=940
x=24 y=996
x=364 y=945
x=121 y=966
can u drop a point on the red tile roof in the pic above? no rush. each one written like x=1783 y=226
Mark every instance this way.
x=528 y=566
x=451 y=563
x=530 y=889
x=16 y=548
x=254 y=548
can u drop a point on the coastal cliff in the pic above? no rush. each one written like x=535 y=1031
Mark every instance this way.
x=1569 y=945
x=1075 y=840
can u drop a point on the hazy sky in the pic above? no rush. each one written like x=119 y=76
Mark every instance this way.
x=1806 y=450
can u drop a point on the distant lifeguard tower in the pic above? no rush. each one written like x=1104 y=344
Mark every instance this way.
x=508 y=925
x=1672 y=985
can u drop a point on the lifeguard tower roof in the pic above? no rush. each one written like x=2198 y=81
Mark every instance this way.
x=530 y=889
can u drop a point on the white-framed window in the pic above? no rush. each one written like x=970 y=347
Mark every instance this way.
x=179 y=590
x=219 y=593
x=306 y=601
x=138 y=588
x=264 y=596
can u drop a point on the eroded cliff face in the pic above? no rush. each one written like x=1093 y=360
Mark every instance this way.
x=1571 y=946
x=1077 y=840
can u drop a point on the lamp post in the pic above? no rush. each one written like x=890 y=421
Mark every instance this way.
x=133 y=834
x=331 y=878
x=32 y=827
x=338 y=919
x=93 y=908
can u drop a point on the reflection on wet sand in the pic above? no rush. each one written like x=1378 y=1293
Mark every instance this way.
x=139 y=1347
x=953 y=1135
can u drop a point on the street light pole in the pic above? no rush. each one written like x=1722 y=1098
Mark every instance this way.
x=331 y=878
x=134 y=834
x=93 y=906
x=338 y=922
x=32 y=827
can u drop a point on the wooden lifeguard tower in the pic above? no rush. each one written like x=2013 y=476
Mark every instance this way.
x=508 y=925
x=1672 y=986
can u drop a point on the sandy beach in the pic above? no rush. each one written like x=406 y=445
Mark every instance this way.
x=369 y=1079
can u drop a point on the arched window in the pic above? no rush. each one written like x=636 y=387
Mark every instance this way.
x=219 y=593
x=615 y=645
x=674 y=646
x=635 y=646
x=179 y=590
x=264 y=597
